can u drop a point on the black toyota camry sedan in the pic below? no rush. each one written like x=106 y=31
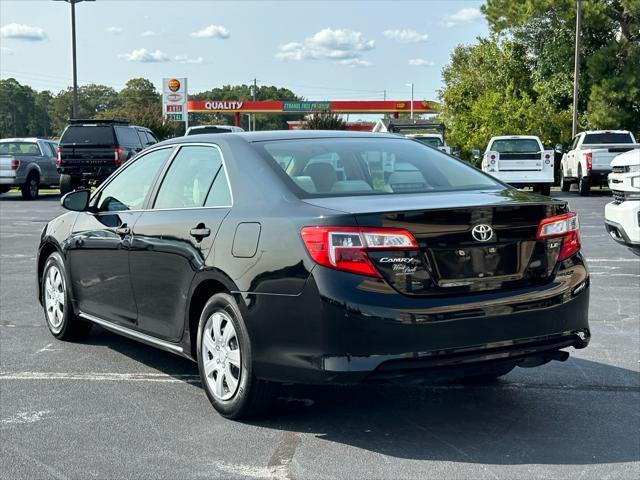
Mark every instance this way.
x=317 y=257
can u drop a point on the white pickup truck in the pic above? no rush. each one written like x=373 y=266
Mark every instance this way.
x=520 y=161
x=588 y=161
x=622 y=215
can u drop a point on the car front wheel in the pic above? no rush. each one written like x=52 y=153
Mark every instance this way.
x=225 y=361
x=564 y=185
x=31 y=188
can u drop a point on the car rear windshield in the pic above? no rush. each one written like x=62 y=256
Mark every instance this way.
x=198 y=131
x=88 y=134
x=434 y=142
x=27 y=149
x=515 y=145
x=598 y=138
x=331 y=167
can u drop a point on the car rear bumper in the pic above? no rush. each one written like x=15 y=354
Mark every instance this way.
x=344 y=328
x=89 y=172
x=597 y=174
x=524 y=177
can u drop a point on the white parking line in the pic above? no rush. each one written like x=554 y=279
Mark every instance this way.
x=112 y=377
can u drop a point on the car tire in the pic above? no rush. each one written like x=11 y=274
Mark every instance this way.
x=63 y=323
x=31 y=188
x=584 y=185
x=231 y=387
x=68 y=183
x=564 y=185
x=545 y=189
x=4 y=189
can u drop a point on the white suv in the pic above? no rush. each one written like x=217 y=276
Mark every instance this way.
x=622 y=216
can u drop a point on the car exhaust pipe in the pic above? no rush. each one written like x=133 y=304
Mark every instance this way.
x=542 y=358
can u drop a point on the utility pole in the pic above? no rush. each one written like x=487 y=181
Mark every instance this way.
x=411 y=85
x=255 y=91
x=576 y=69
x=384 y=95
x=74 y=97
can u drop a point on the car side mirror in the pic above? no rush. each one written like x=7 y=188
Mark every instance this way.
x=559 y=148
x=475 y=153
x=76 y=201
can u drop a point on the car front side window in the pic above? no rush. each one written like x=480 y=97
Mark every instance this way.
x=129 y=189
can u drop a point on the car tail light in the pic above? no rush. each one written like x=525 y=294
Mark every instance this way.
x=547 y=156
x=564 y=227
x=588 y=157
x=58 y=157
x=15 y=164
x=493 y=157
x=118 y=156
x=345 y=248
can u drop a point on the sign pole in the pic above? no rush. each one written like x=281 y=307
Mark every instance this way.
x=186 y=106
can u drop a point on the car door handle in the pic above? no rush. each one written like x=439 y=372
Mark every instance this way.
x=123 y=230
x=200 y=232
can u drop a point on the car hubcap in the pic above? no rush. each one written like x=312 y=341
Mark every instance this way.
x=221 y=356
x=54 y=297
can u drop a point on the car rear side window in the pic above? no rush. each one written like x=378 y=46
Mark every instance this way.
x=189 y=178
x=128 y=190
x=88 y=135
x=515 y=145
x=607 y=137
x=23 y=149
x=127 y=136
x=329 y=167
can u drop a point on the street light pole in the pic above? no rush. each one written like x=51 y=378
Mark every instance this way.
x=74 y=104
x=576 y=70
x=74 y=96
x=411 y=85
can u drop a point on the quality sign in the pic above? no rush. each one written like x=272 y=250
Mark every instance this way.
x=174 y=99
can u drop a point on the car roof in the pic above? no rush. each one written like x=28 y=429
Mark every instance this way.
x=516 y=137
x=270 y=135
x=25 y=139
x=605 y=131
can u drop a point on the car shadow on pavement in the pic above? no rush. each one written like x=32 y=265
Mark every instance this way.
x=43 y=197
x=568 y=414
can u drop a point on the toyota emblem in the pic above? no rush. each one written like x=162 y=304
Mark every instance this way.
x=482 y=232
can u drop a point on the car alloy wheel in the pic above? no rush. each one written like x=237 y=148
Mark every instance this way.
x=54 y=297
x=221 y=356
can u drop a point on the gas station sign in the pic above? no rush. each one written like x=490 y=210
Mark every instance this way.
x=174 y=99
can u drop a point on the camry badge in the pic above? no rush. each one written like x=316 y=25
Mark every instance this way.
x=482 y=232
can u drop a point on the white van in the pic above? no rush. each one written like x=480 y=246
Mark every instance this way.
x=521 y=161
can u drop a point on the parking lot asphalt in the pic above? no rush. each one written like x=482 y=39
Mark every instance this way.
x=113 y=408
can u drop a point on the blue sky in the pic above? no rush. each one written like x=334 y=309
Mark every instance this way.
x=323 y=50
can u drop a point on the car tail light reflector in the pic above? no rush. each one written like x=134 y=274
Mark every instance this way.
x=118 y=156
x=589 y=157
x=58 y=157
x=565 y=227
x=345 y=248
x=15 y=163
x=493 y=157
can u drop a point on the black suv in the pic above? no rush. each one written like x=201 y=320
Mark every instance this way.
x=90 y=150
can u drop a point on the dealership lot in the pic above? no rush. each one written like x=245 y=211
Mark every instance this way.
x=111 y=407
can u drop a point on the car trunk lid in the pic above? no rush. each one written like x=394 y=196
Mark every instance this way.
x=451 y=257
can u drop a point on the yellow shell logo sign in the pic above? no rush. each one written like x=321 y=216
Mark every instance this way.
x=174 y=84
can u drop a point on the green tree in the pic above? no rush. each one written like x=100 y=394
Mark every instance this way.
x=93 y=100
x=17 y=109
x=610 y=78
x=325 y=121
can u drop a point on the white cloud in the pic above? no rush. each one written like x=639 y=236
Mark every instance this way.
x=355 y=63
x=420 y=62
x=212 y=31
x=406 y=36
x=187 y=59
x=463 y=15
x=342 y=46
x=114 y=30
x=6 y=50
x=22 y=32
x=148 y=33
x=143 y=55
